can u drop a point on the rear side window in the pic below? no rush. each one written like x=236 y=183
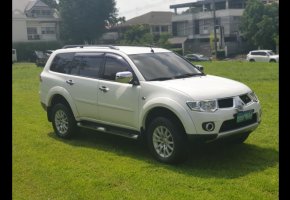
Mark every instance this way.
x=258 y=53
x=62 y=63
x=88 y=64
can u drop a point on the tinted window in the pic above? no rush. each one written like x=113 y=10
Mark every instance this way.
x=114 y=64
x=62 y=63
x=162 y=66
x=258 y=53
x=87 y=64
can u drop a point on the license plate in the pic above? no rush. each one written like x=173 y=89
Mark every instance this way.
x=244 y=116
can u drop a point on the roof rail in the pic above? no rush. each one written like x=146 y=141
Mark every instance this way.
x=82 y=46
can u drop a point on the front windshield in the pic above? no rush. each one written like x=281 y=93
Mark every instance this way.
x=163 y=66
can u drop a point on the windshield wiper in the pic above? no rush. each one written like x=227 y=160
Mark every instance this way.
x=189 y=75
x=161 y=79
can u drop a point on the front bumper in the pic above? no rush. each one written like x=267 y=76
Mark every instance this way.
x=225 y=123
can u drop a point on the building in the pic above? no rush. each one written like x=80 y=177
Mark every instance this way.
x=158 y=22
x=193 y=28
x=33 y=20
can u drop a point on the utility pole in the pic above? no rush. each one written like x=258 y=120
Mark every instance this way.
x=214 y=29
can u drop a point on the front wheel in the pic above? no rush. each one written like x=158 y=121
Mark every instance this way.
x=167 y=141
x=63 y=121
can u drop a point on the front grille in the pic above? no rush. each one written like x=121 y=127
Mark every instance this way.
x=245 y=98
x=225 y=103
x=231 y=124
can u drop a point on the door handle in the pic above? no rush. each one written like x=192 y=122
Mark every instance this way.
x=104 y=89
x=70 y=82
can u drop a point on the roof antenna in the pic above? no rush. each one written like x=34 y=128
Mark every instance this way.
x=152 y=51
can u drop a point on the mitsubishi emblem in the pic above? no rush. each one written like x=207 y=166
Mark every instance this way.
x=239 y=104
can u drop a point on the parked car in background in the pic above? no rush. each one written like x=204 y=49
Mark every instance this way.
x=41 y=57
x=196 y=57
x=262 y=56
x=14 y=56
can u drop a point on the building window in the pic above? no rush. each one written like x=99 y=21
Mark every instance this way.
x=196 y=26
x=41 y=13
x=31 y=30
x=182 y=29
x=155 y=29
x=47 y=30
x=220 y=5
x=164 y=28
x=32 y=33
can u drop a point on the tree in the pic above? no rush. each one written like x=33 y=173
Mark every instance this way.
x=137 y=34
x=83 y=21
x=259 y=25
x=51 y=3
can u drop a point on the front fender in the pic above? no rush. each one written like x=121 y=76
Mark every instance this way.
x=171 y=105
x=65 y=94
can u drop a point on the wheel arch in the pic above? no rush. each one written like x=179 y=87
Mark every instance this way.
x=59 y=95
x=170 y=109
x=162 y=112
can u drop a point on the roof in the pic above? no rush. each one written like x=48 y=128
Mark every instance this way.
x=33 y=3
x=151 y=18
x=124 y=49
x=177 y=40
x=19 y=7
x=197 y=3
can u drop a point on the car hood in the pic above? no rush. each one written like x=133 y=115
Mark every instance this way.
x=207 y=87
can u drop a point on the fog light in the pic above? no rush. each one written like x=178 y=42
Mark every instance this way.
x=208 y=126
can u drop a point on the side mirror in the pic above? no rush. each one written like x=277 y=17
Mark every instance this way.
x=124 y=77
x=199 y=67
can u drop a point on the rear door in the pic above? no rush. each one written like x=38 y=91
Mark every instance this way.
x=118 y=102
x=78 y=74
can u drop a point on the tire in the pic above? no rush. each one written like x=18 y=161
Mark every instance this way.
x=252 y=60
x=63 y=121
x=272 y=61
x=167 y=141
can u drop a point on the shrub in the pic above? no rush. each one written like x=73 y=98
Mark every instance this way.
x=177 y=50
x=221 y=54
x=25 y=49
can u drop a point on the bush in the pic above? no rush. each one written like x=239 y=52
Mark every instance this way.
x=25 y=49
x=221 y=54
x=177 y=50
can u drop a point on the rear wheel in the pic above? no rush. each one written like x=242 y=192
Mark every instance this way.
x=63 y=121
x=272 y=61
x=252 y=60
x=167 y=141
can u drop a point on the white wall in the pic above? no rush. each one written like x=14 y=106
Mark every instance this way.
x=19 y=31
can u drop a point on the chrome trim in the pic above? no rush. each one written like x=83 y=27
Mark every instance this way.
x=251 y=127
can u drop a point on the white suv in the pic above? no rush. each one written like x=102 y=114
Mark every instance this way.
x=262 y=56
x=144 y=91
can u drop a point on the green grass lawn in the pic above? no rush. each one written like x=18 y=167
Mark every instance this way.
x=100 y=166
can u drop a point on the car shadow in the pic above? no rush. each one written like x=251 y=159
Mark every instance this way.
x=205 y=160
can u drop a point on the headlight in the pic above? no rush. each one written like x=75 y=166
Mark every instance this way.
x=253 y=96
x=203 y=106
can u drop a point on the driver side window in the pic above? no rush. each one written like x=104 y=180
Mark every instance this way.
x=114 y=64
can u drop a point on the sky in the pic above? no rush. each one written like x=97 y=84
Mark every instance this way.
x=134 y=8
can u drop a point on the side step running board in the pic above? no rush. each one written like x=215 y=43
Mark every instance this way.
x=109 y=129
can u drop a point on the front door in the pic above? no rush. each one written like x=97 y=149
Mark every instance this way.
x=118 y=102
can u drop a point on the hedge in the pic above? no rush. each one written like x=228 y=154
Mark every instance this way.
x=177 y=50
x=25 y=49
